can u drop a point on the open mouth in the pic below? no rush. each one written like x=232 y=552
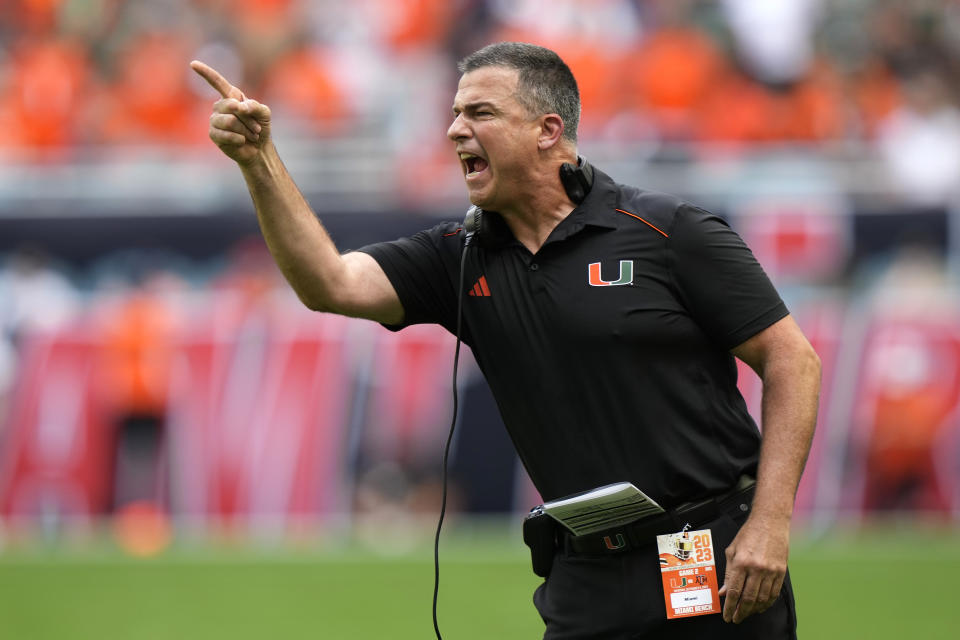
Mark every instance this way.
x=474 y=164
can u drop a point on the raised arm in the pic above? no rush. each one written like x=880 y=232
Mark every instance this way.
x=352 y=284
x=757 y=557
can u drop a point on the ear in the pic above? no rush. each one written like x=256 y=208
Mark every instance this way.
x=551 y=131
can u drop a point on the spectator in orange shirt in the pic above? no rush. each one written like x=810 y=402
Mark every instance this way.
x=741 y=109
x=48 y=82
x=672 y=71
x=135 y=375
x=411 y=24
x=303 y=87
x=151 y=101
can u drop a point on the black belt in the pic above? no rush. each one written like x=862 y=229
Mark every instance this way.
x=643 y=532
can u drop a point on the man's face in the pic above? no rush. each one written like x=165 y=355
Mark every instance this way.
x=495 y=137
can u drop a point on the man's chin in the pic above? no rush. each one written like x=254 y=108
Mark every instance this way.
x=479 y=199
x=480 y=193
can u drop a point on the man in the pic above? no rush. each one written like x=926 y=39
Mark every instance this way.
x=605 y=319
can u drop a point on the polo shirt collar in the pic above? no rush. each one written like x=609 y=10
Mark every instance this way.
x=594 y=211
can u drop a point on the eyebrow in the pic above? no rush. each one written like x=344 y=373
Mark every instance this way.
x=473 y=106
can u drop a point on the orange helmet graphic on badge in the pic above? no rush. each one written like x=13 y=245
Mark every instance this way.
x=684 y=546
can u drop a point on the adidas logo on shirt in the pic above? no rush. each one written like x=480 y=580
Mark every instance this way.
x=480 y=288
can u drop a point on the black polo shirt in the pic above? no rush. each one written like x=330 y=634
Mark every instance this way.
x=608 y=350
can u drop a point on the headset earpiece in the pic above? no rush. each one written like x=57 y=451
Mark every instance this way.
x=472 y=224
x=577 y=180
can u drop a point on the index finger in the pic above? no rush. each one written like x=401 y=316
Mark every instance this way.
x=732 y=590
x=217 y=81
x=731 y=603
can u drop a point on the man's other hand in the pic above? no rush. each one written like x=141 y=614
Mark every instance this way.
x=756 y=567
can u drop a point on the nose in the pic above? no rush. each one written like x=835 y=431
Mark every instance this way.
x=458 y=130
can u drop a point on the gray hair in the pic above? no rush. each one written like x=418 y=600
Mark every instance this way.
x=545 y=84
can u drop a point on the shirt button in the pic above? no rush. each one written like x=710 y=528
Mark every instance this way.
x=534 y=266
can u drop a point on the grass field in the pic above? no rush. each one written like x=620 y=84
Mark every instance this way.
x=889 y=583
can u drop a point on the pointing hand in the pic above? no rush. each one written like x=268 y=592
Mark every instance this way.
x=238 y=125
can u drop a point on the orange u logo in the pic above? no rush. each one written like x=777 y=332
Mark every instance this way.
x=596 y=278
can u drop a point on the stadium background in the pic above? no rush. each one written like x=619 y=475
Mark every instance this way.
x=177 y=432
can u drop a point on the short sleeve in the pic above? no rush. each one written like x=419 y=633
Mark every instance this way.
x=718 y=279
x=419 y=271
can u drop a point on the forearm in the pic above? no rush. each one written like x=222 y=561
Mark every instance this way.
x=300 y=245
x=353 y=284
x=757 y=557
x=791 y=387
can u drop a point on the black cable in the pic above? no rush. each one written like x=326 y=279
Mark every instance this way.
x=446 y=449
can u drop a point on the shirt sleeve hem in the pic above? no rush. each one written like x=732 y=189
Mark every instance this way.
x=758 y=324
x=385 y=263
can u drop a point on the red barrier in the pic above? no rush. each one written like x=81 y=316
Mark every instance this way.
x=409 y=402
x=821 y=322
x=57 y=453
x=256 y=417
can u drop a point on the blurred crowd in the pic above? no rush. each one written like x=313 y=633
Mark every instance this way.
x=91 y=72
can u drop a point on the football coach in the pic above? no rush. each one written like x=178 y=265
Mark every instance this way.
x=606 y=319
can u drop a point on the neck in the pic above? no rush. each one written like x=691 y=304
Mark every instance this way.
x=536 y=215
x=533 y=229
